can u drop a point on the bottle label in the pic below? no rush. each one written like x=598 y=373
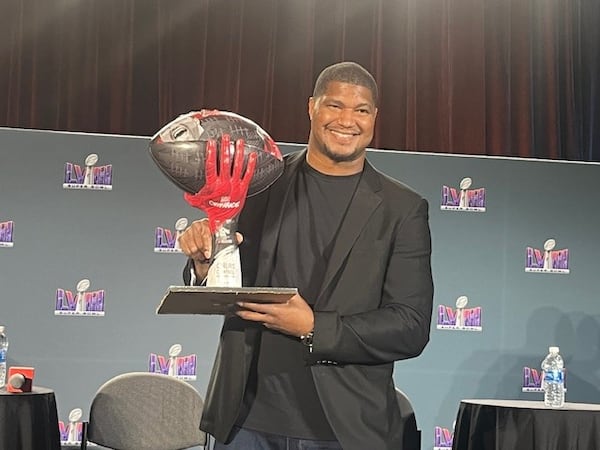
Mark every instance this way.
x=2 y=355
x=553 y=376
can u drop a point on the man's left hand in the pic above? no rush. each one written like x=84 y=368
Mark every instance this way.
x=295 y=317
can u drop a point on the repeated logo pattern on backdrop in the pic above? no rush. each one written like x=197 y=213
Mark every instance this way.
x=82 y=302
x=443 y=438
x=6 y=233
x=182 y=367
x=547 y=260
x=85 y=302
x=460 y=302
x=166 y=240
x=460 y=318
x=532 y=380
x=71 y=432
x=90 y=177
x=463 y=199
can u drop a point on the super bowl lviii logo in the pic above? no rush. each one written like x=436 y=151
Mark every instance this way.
x=6 y=233
x=91 y=176
x=548 y=260
x=463 y=199
x=182 y=367
x=166 y=241
x=442 y=439
x=71 y=432
x=460 y=318
x=533 y=378
x=84 y=302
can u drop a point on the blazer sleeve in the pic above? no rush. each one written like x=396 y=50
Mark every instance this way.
x=399 y=327
x=189 y=275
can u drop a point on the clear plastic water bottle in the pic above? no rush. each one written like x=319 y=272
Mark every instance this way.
x=3 y=352
x=553 y=382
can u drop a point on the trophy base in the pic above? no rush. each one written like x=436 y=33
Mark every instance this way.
x=218 y=300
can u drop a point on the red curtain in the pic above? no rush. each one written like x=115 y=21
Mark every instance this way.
x=494 y=77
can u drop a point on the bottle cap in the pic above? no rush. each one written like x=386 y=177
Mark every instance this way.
x=553 y=349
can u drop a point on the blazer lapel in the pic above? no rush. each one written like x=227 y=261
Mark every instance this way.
x=362 y=205
x=274 y=215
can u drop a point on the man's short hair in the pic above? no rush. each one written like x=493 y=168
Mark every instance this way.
x=346 y=72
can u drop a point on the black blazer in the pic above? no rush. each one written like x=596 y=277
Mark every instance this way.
x=374 y=308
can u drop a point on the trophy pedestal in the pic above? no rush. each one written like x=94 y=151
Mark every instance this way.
x=218 y=300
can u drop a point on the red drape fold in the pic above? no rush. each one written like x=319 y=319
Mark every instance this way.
x=489 y=77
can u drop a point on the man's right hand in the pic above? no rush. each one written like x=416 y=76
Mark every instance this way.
x=196 y=242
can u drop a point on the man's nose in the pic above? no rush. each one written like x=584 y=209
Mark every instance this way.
x=346 y=117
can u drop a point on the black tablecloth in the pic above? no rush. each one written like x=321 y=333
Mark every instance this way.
x=29 y=421
x=526 y=425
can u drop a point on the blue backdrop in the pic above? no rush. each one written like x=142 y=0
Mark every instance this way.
x=60 y=236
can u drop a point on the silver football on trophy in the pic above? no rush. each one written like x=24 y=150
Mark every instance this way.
x=179 y=148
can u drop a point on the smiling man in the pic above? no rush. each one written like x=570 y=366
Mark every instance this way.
x=342 y=116
x=315 y=373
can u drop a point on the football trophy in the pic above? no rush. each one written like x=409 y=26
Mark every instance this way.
x=218 y=159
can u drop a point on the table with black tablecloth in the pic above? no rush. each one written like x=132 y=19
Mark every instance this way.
x=29 y=421
x=526 y=425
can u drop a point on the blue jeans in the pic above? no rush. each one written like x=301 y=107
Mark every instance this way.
x=245 y=439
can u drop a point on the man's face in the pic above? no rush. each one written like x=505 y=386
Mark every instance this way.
x=342 y=121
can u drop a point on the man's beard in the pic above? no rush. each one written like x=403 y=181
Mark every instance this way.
x=339 y=158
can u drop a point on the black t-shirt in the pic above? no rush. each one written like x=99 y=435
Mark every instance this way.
x=281 y=397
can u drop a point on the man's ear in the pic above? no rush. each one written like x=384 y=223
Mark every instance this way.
x=311 y=106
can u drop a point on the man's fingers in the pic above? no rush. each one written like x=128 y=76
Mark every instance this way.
x=250 y=169
x=253 y=316
x=196 y=240
x=210 y=168
x=225 y=157
x=238 y=160
x=263 y=308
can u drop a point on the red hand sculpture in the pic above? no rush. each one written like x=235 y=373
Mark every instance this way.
x=224 y=192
